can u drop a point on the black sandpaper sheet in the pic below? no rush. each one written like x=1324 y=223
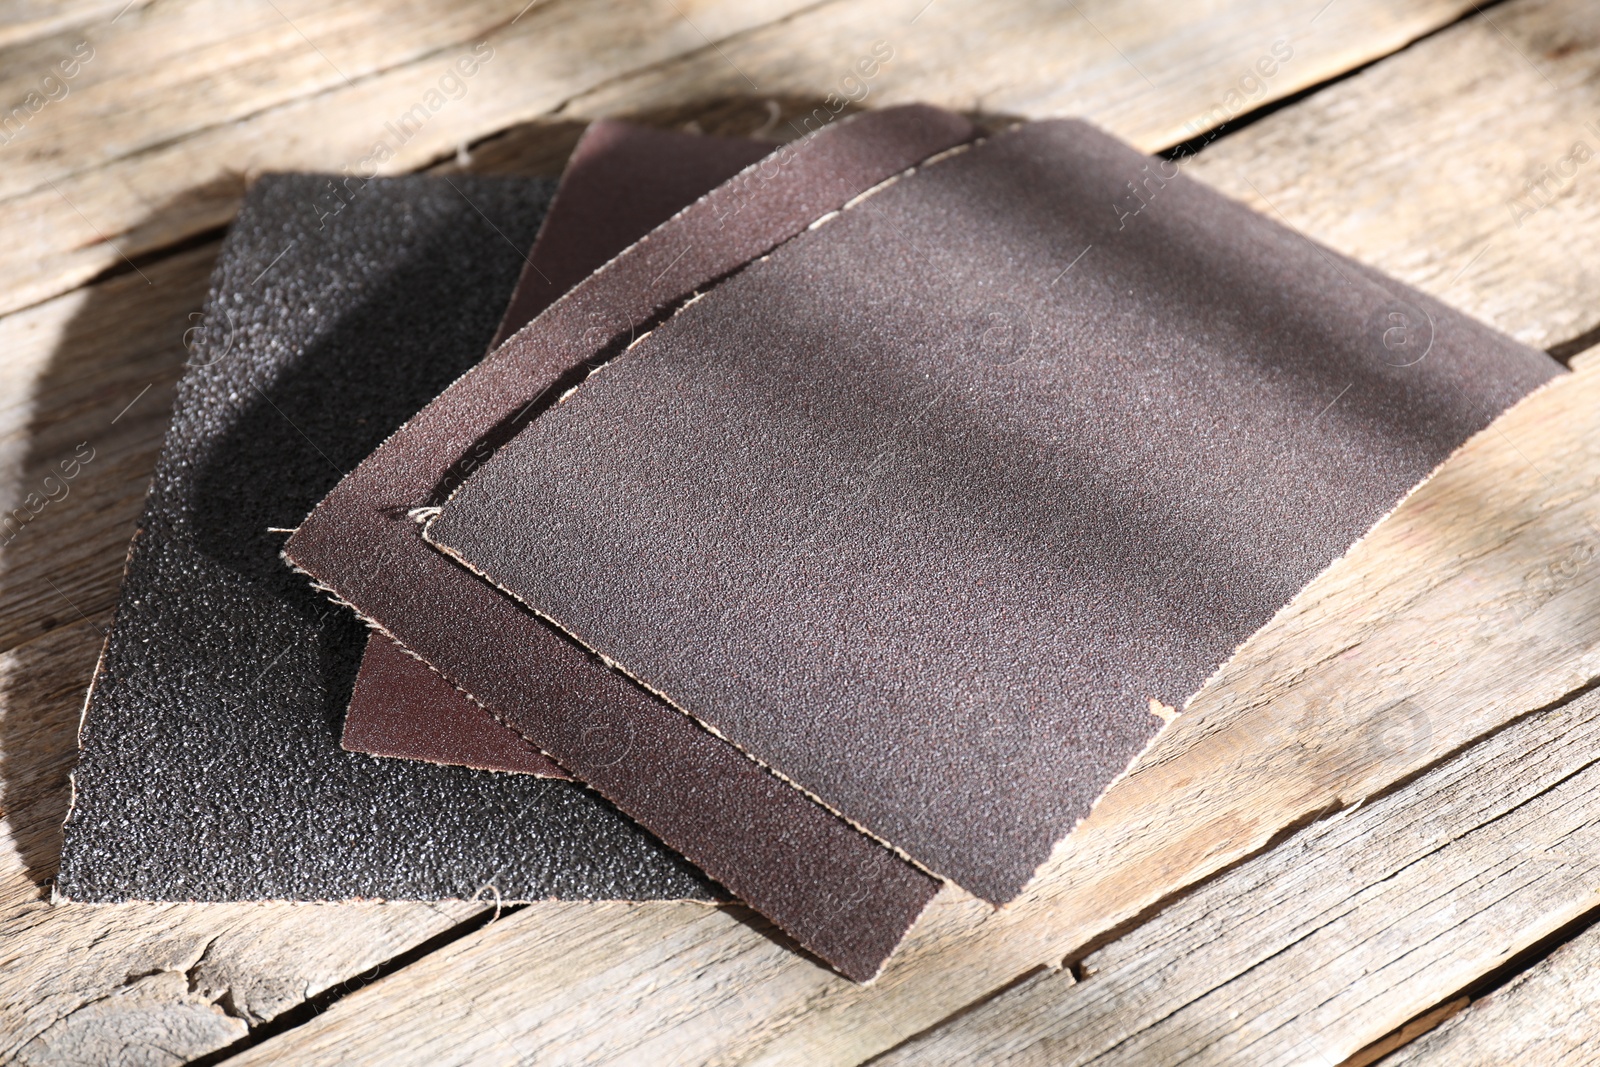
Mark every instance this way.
x=211 y=766
x=839 y=894
x=620 y=183
x=923 y=510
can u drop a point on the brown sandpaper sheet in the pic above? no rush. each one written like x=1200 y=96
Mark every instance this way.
x=924 y=510
x=838 y=893
x=621 y=182
x=403 y=708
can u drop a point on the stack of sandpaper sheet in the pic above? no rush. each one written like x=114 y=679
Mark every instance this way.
x=824 y=523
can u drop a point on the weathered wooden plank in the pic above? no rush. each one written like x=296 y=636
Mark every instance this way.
x=22 y=21
x=1455 y=166
x=1543 y=1016
x=1311 y=952
x=229 y=60
x=1475 y=602
x=133 y=199
x=732 y=991
x=1154 y=74
x=40 y=682
x=113 y=194
x=1380 y=1048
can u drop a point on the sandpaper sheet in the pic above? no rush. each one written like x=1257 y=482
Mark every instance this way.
x=838 y=893
x=211 y=766
x=924 y=510
x=621 y=182
x=403 y=708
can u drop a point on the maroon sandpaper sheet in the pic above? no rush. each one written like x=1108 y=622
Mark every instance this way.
x=621 y=182
x=402 y=707
x=838 y=893
x=924 y=509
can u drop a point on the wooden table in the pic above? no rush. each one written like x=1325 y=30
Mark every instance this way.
x=1377 y=827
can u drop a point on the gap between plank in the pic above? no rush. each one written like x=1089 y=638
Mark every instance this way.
x=1480 y=987
x=1228 y=127
x=311 y=1007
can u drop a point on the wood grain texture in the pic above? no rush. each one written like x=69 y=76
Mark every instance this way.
x=1408 y=1033
x=1153 y=74
x=22 y=21
x=158 y=176
x=1474 y=603
x=1460 y=629
x=1308 y=953
x=1454 y=166
x=1544 y=1016
x=96 y=195
x=232 y=61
